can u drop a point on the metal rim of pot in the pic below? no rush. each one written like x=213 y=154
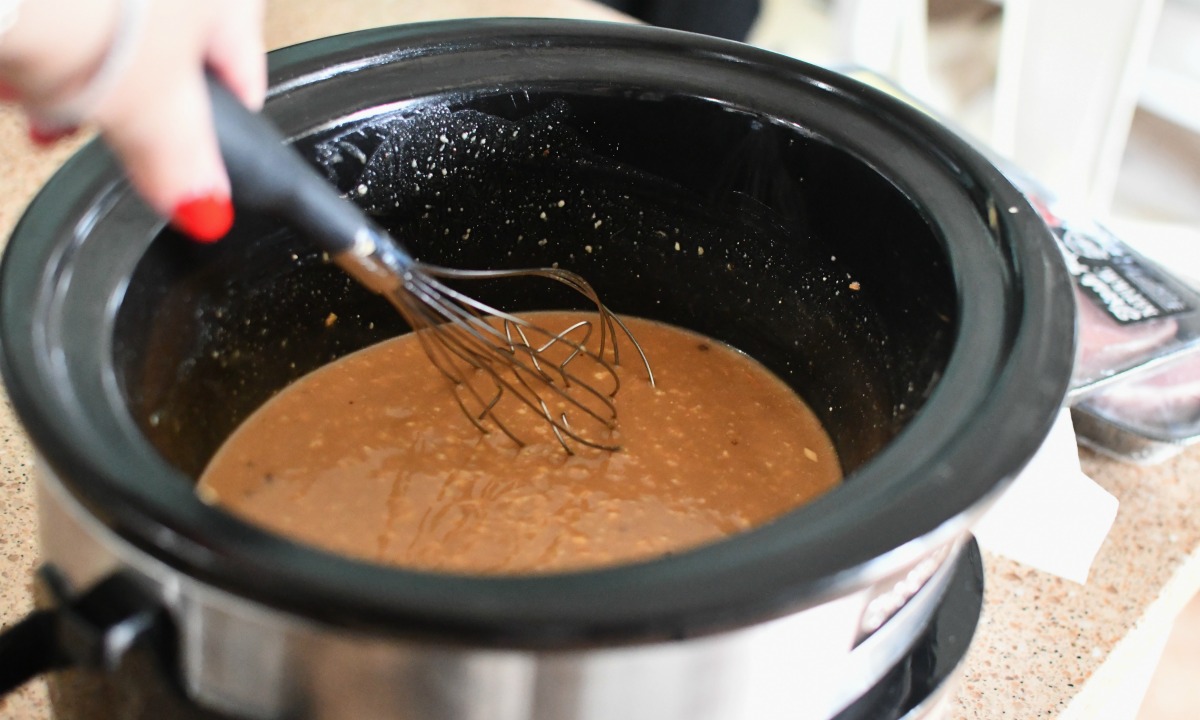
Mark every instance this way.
x=998 y=396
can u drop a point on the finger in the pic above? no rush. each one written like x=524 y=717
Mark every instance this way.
x=170 y=152
x=236 y=53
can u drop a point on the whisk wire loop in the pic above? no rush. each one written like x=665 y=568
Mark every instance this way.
x=472 y=344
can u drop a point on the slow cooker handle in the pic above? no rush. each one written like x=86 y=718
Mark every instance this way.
x=92 y=629
x=115 y=629
x=27 y=650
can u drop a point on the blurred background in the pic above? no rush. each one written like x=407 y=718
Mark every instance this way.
x=1098 y=101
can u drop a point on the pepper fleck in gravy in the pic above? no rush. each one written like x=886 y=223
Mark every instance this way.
x=368 y=457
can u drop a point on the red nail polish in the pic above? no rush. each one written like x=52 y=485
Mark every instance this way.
x=44 y=137
x=205 y=218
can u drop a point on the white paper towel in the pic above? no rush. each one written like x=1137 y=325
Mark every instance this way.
x=1052 y=517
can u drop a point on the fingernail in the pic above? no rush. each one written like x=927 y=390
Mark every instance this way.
x=44 y=137
x=205 y=218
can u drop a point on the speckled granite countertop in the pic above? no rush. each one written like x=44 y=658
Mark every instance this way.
x=1045 y=647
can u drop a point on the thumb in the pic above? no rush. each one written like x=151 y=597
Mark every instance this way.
x=170 y=153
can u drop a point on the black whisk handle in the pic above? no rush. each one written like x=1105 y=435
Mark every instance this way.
x=268 y=176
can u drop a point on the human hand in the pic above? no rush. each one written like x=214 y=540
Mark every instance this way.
x=136 y=69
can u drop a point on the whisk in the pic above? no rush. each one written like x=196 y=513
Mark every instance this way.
x=567 y=378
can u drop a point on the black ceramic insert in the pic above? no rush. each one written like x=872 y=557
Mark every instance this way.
x=861 y=251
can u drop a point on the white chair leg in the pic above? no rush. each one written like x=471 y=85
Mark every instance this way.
x=1066 y=88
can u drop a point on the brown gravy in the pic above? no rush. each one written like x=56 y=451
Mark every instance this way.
x=367 y=457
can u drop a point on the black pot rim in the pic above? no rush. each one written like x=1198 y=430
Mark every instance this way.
x=809 y=555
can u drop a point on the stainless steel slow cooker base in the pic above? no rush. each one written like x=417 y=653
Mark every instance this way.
x=243 y=659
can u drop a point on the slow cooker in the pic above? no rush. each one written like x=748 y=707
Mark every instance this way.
x=858 y=249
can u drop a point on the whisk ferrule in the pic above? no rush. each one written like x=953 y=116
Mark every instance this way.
x=375 y=260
